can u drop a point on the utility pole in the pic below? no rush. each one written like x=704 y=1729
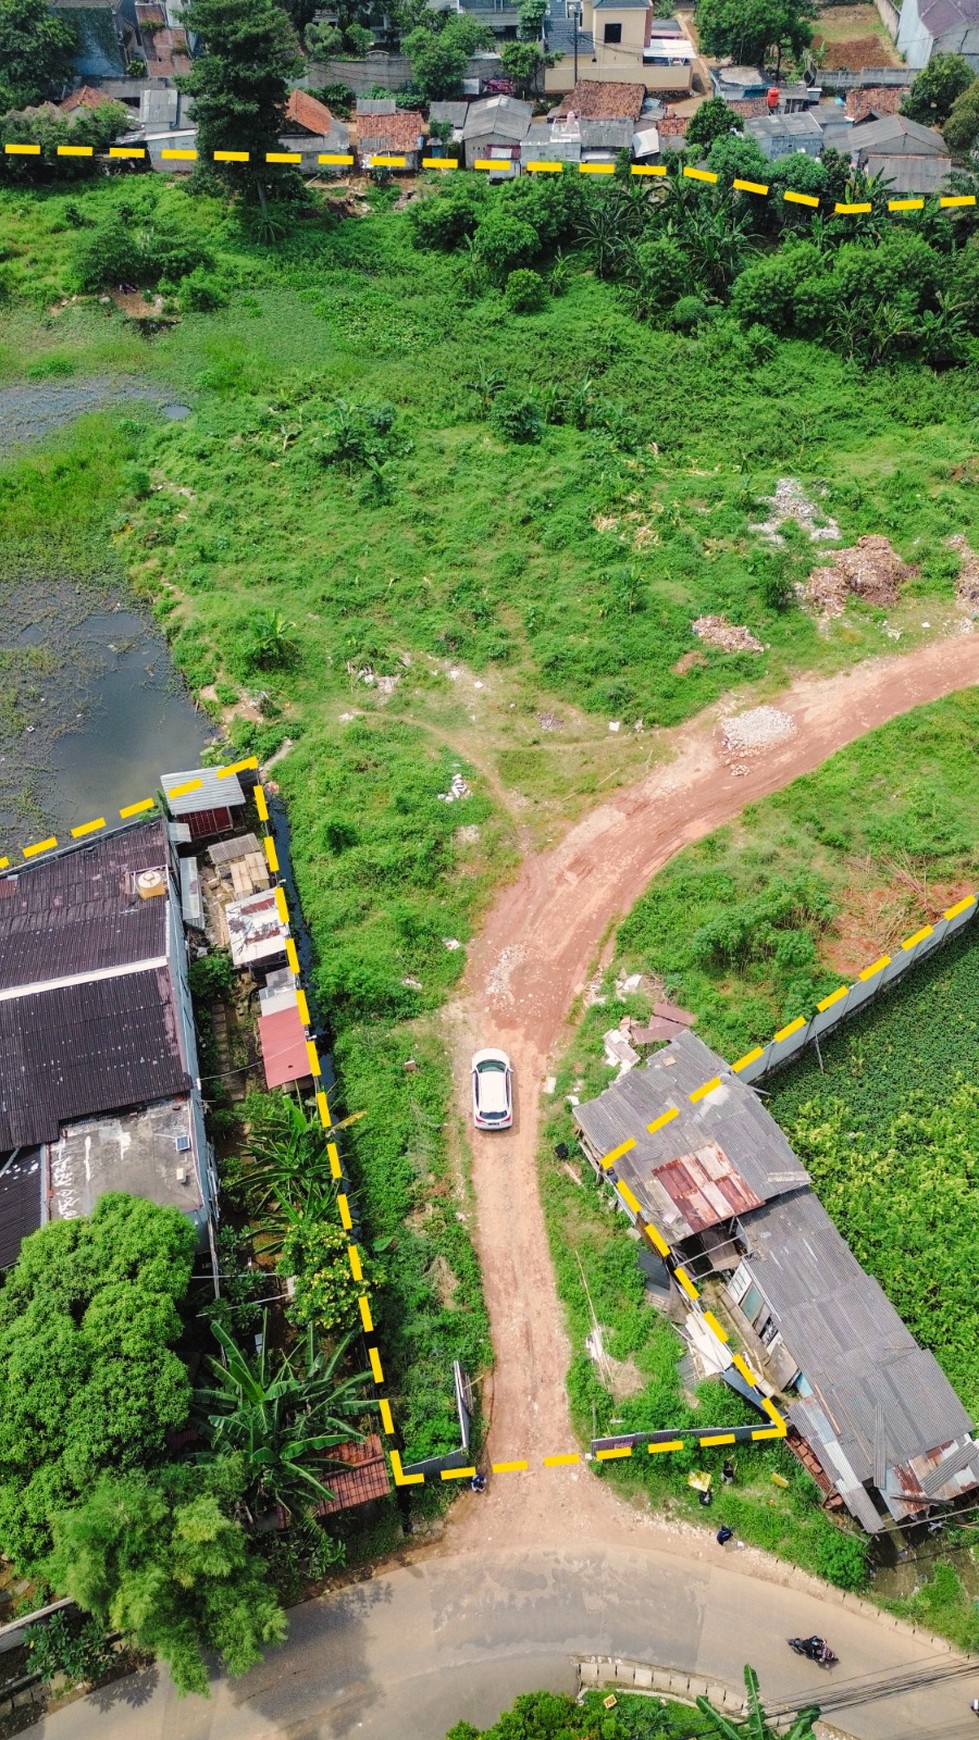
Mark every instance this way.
x=575 y=10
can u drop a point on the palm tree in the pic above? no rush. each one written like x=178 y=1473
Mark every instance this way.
x=288 y=1157
x=281 y=1415
x=755 y=1725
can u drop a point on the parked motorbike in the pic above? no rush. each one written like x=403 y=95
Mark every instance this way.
x=814 y=1649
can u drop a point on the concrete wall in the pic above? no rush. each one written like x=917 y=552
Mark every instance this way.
x=890 y=17
x=659 y=79
x=392 y=71
x=913 y=39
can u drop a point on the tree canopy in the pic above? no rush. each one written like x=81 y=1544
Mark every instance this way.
x=439 y=56
x=88 y=1374
x=157 y=1555
x=35 y=51
x=713 y=120
x=240 y=79
x=961 y=130
x=752 y=30
x=933 y=90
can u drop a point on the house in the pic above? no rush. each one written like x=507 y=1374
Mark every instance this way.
x=203 y=799
x=310 y=127
x=869 y=1412
x=552 y=141
x=166 y=49
x=106 y=35
x=99 y=1085
x=930 y=27
x=454 y=114
x=604 y=100
x=495 y=124
x=912 y=159
x=620 y=41
x=738 y=83
x=779 y=135
x=399 y=135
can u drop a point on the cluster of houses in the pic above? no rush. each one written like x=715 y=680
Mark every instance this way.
x=870 y=1414
x=622 y=78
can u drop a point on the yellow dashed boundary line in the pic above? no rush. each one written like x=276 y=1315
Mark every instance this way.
x=564 y=1459
x=346 y=159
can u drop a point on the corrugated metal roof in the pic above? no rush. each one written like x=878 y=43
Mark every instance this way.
x=282 y=1037
x=887 y=1400
x=78 y=912
x=732 y=1118
x=910 y=174
x=20 y=1204
x=894 y=135
x=706 y=1188
x=86 y=1048
x=213 y=793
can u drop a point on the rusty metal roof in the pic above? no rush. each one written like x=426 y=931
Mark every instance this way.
x=365 y=1477
x=706 y=1188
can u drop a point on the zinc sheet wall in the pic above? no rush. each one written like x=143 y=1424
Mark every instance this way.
x=872 y=981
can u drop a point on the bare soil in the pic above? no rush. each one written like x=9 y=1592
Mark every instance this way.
x=538 y=949
x=870 y=569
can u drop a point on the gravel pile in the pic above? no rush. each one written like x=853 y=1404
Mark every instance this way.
x=790 y=502
x=757 y=729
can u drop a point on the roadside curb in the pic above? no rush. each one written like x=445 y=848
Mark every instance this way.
x=650 y=1681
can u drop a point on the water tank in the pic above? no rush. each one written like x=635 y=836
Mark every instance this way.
x=150 y=884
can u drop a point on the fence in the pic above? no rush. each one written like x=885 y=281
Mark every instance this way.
x=392 y=71
x=870 y=75
x=794 y=1038
x=455 y=1458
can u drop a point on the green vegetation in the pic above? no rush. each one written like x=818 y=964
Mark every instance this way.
x=933 y=91
x=239 y=81
x=35 y=51
x=753 y=31
x=552 y=1716
x=754 y=925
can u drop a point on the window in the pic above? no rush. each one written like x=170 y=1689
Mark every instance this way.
x=752 y=1303
x=613 y=33
x=739 y=1283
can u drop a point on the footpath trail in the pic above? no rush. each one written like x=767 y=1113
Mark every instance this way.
x=525 y=969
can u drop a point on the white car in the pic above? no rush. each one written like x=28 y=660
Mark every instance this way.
x=492 y=1090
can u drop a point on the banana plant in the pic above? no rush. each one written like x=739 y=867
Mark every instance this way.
x=755 y=1725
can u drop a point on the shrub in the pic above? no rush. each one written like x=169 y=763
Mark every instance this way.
x=841 y=1559
x=444 y=219
x=517 y=418
x=689 y=313
x=107 y=254
x=526 y=291
x=202 y=292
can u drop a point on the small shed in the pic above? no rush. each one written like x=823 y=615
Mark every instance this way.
x=310 y=127
x=915 y=176
x=495 y=122
x=203 y=798
x=738 y=82
x=256 y=933
x=282 y=1037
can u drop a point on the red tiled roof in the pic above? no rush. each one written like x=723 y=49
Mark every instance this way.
x=389 y=134
x=365 y=1477
x=283 y=1041
x=886 y=99
x=748 y=107
x=308 y=113
x=671 y=126
x=83 y=98
x=603 y=100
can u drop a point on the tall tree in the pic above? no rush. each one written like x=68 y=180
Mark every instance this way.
x=934 y=89
x=439 y=56
x=240 y=81
x=713 y=120
x=751 y=30
x=159 y=1556
x=35 y=51
x=88 y=1374
x=961 y=130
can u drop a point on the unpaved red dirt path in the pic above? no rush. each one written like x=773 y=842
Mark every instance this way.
x=532 y=958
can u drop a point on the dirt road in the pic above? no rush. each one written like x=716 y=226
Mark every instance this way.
x=532 y=958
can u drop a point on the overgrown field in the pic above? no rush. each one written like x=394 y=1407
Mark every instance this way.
x=421 y=534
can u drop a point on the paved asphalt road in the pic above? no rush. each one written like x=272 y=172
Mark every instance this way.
x=403 y=1656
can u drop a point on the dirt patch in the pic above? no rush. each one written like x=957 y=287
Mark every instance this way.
x=870 y=569
x=879 y=913
x=790 y=502
x=852 y=55
x=690 y=661
x=717 y=631
x=967 y=585
x=757 y=729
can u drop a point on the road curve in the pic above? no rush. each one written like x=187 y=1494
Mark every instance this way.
x=405 y=1655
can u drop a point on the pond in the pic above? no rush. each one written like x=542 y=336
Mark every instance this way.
x=92 y=710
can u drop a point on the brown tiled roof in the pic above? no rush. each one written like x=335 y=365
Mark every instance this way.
x=671 y=126
x=603 y=100
x=83 y=98
x=308 y=113
x=885 y=99
x=365 y=1477
x=749 y=107
x=391 y=134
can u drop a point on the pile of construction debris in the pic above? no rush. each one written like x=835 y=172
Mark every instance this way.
x=871 y=569
x=621 y=1042
x=967 y=585
x=759 y=728
x=727 y=636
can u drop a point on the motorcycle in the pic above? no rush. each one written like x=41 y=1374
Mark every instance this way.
x=814 y=1649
